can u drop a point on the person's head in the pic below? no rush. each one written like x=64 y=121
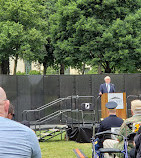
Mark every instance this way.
x=111 y=106
x=136 y=107
x=10 y=112
x=107 y=79
x=4 y=103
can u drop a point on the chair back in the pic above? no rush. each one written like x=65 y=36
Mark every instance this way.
x=115 y=130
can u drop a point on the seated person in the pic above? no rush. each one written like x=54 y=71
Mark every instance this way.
x=136 y=151
x=137 y=140
x=17 y=140
x=126 y=128
x=10 y=112
x=11 y=115
x=111 y=121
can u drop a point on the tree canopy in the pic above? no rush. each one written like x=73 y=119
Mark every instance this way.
x=22 y=28
x=98 y=32
x=104 y=33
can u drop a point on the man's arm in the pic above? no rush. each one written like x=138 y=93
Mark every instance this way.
x=124 y=130
x=36 y=151
x=100 y=129
x=100 y=90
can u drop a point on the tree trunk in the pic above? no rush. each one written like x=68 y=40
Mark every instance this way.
x=45 y=68
x=83 y=69
x=15 y=64
x=99 y=69
x=62 y=69
x=5 y=66
x=108 y=69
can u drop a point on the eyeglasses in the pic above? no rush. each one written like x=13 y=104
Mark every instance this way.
x=4 y=99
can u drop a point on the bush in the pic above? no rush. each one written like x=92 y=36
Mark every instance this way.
x=52 y=71
x=20 y=73
x=34 y=72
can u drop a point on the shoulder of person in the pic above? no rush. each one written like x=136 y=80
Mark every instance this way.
x=112 y=84
x=102 y=84
x=128 y=121
x=106 y=119
x=132 y=119
x=21 y=126
x=120 y=118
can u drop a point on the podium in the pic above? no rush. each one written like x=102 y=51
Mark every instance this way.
x=119 y=98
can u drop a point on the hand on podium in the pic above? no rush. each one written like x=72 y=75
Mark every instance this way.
x=100 y=94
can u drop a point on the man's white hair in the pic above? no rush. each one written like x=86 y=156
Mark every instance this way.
x=136 y=106
x=107 y=77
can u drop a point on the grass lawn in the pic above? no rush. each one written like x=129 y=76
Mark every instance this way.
x=63 y=149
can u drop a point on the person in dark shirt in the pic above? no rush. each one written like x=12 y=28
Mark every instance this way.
x=111 y=121
x=136 y=151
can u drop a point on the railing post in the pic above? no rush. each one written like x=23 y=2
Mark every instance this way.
x=71 y=111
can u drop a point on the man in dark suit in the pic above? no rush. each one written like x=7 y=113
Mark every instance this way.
x=107 y=87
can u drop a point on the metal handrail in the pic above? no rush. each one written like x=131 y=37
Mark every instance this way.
x=45 y=106
x=39 y=109
x=48 y=104
x=132 y=96
x=48 y=116
x=57 y=113
x=53 y=102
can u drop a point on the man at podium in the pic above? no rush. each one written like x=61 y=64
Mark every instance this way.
x=107 y=87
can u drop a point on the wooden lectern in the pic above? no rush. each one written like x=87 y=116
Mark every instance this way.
x=119 y=112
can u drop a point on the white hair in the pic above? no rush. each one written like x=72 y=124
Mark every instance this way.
x=136 y=106
x=107 y=77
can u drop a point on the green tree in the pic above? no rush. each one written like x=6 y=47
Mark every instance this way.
x=22 y=26
x=48 y=59
x=96 y=32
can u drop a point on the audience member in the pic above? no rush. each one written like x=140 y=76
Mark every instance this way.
x=11 y=112
x=16 y=140
x=111 y=121
x=126 y=128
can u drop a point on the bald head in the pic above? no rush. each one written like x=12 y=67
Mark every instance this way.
x=2 y=94
x=4 y=103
